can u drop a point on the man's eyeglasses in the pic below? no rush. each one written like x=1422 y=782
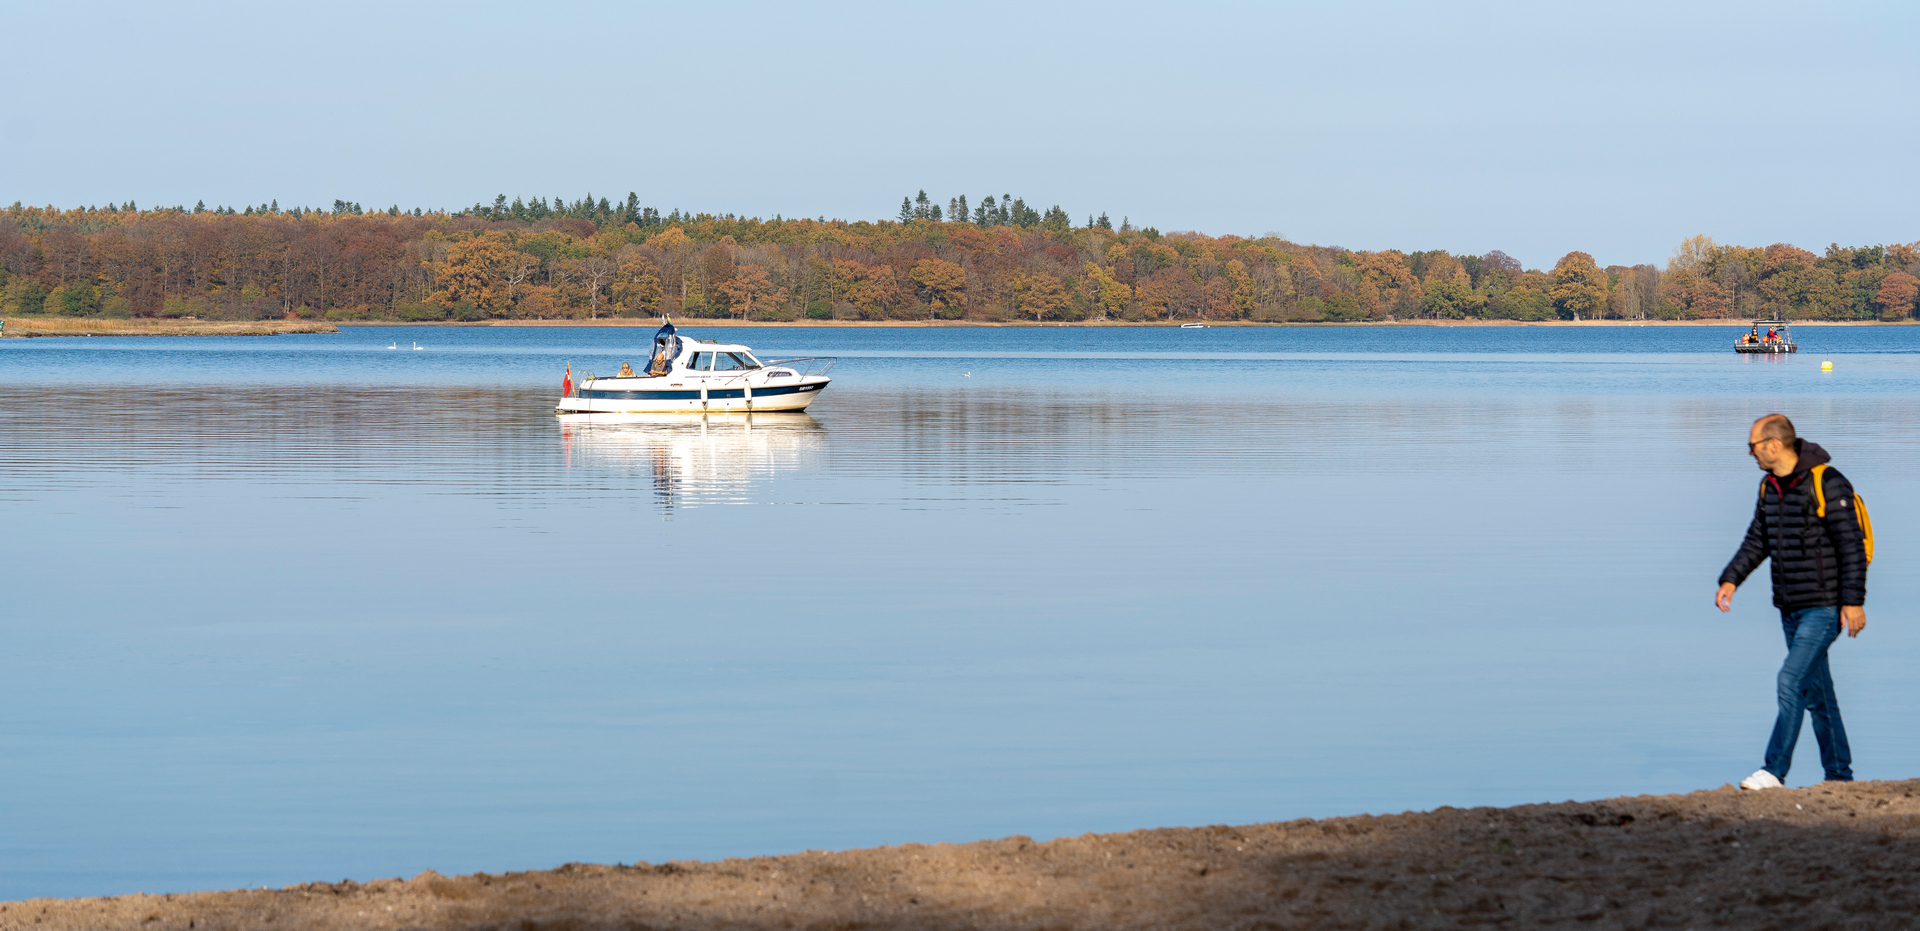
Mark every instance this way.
x=1750 y=446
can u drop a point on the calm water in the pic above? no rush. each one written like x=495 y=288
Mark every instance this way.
x=304 y=607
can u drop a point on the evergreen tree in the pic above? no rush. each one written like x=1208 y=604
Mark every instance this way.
x=274 y=207
x=906 y=210
x=920 y=205
x=633 y=208
x=499 y=211
x=201 y=206
x=1105 y=223
x=960 y=212
x=986 y=214
x=935 y=215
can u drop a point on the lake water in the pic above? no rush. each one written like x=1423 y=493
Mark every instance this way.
x=305 y=607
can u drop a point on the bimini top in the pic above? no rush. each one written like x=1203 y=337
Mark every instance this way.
x=666 y=348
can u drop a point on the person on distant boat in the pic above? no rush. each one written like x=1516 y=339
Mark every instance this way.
x=1818 y=543
x=626 y=370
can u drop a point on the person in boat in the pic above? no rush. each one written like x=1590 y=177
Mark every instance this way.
x=626 y=370
x=1819 y=585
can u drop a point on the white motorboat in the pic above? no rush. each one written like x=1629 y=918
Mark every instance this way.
x=690 y=375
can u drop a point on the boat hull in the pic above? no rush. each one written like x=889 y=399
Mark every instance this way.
x=656 y=395
x=1774 y=350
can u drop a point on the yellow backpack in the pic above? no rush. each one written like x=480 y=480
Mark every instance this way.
x=1859 y=510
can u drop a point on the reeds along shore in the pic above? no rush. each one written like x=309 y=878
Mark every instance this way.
x=1830 y=856
x=32 y=326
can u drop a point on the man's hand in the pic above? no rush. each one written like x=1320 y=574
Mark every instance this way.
x=1723 y=599
x=1853 y=618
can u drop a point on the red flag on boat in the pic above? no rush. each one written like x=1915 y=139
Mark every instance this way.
x=566 y=384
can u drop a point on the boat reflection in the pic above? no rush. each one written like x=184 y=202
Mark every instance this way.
x=695 y=460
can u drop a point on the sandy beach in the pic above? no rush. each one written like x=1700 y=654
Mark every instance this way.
x=1830 y=856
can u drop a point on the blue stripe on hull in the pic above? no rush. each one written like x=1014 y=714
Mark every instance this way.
x=598 y=394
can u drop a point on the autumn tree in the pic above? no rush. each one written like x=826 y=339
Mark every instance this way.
x=473 y=273
x=1896 y=296
x=596 y=272
x=1579 y=286
x=1695 y=252
x=1042 y=296
x=636 y=285
x=941 y=284
x=1109 y=294
x=874 y=290
x=748 y=286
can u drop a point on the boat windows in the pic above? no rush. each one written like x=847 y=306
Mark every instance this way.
x=702 y=361
x=734 y=362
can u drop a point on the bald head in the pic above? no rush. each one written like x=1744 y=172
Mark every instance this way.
x=1775 y=427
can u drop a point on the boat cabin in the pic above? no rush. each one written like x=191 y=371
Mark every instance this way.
x=676 y=355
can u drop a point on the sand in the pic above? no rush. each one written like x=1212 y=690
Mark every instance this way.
x=1840 y=856
x=67 y=326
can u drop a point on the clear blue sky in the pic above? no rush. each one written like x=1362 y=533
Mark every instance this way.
x=1617 y=129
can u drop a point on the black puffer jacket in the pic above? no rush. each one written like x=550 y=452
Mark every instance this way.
x=1816 y=563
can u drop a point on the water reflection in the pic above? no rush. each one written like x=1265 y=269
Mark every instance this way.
x=694 y=460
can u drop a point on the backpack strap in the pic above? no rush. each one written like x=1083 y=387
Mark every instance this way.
x=1820 y=490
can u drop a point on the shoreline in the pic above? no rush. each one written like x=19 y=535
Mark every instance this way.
x=36 y=327
x=1829 y=854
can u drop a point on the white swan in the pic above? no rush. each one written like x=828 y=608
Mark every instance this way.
x=394 y=346
x=418 y=347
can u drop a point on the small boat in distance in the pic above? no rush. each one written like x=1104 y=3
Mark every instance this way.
x=1777 y=339
x=1193 y=326
x=697 y=376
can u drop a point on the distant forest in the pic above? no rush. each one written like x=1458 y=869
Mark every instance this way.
x=999 y=259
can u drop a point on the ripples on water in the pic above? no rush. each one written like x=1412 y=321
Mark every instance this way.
x=289 y=609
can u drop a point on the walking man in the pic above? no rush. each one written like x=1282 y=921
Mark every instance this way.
x=1819 y=585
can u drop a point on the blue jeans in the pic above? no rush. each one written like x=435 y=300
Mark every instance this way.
x=1806 y=687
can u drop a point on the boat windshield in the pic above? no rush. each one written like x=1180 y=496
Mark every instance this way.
x=734 y=362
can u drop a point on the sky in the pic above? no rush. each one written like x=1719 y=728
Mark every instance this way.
x=1615 y=129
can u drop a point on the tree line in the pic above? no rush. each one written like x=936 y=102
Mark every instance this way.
x=998 y=259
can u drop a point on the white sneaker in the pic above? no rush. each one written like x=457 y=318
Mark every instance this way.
x=1762 y=780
